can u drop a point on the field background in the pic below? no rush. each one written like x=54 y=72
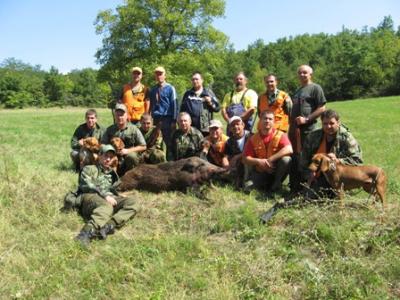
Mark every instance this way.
x=180 y=247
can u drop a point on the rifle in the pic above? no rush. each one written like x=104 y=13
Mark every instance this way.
x=151 y=142
x=299 y=201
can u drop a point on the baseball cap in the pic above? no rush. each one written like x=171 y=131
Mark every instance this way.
x=105 y=148
x=121 y=106
x=234 y=118
x=215 y=123
x=137 y=69
x=159 y=69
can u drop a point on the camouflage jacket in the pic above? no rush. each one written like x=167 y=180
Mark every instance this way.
x=94 y=179
x=131 y=135
x=159 y=143
x=345 y=147
x=186 y=145
x=83 y=132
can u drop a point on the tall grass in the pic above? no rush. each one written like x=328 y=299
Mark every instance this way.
x=180 y=247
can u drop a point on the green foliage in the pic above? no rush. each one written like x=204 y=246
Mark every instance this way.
x=175 y=34
x=22 y=85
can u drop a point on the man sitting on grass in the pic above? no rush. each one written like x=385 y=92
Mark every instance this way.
x=268 y=153
x=100 y=203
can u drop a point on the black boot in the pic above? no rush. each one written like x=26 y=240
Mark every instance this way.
x=106 y=230
x=87 y=233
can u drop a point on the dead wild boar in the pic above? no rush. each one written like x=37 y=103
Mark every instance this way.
x=171 y=176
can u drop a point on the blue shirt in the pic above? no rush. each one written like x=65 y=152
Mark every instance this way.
x=163 y=101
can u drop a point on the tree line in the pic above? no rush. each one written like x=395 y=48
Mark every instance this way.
x=179 y=35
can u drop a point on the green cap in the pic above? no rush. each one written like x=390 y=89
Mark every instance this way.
x=106 y=148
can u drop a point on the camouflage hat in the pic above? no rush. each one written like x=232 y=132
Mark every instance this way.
x=121 y=106
x=105 y=148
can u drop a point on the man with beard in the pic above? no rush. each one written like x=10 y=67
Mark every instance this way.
x=241 y=102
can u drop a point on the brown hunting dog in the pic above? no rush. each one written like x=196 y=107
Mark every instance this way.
x=118 y=145
x=88 y=153
x=344 y=177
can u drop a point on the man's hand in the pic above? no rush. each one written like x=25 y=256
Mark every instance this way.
x=206 y=145
x=80 y=142
x=124 y=151
x=111 y=200
x=207 y=99
x=265 y=165
x=333 y=157
x=301 y=120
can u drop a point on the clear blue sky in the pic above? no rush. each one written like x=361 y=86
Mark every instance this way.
x=62 y=33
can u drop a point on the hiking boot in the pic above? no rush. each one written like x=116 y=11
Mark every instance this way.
x=106 y=230
x=85 y=236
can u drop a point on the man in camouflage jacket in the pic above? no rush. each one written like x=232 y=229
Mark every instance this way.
x=88 y=129
x=155 y=152
x=100 y=203
x=131 y=136
x=186 y=140
x=333 y=139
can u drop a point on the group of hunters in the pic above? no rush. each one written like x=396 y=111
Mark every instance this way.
x=155 y=129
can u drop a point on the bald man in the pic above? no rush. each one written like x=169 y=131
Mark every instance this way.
x=308 y=105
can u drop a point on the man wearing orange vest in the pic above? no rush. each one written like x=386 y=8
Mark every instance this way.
x=277 y=101
x=268 y=153
x=214 y=145
x=135 y=96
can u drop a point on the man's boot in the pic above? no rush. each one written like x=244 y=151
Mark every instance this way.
x=87 y=233
x=107 y=229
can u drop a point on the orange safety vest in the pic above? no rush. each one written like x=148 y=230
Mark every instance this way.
x=135 y=103
x=217 y=150
x=281 y=118
x=266 y=151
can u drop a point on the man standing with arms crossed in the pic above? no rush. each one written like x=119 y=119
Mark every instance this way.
x=308 y=105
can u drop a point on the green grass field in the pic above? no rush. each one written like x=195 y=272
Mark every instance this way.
x=180 y=247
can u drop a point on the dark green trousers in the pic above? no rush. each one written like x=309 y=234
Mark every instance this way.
x=98 y=211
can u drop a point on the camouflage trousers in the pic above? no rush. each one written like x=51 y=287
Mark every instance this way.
x=98 y=211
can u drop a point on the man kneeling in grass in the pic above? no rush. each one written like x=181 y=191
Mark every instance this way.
x=100 y=203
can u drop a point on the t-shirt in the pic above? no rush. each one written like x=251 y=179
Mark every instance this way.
x=250 y=99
